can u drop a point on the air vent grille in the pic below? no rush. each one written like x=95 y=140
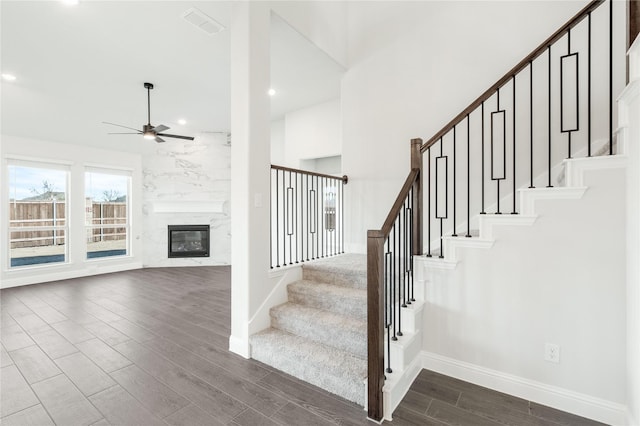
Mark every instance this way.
x=202 y=21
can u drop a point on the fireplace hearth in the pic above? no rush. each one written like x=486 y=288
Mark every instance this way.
x=188 y=241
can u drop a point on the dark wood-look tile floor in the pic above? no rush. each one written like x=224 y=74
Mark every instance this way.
x=150 y=347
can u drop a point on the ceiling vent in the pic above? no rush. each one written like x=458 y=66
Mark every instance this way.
x=201 y=21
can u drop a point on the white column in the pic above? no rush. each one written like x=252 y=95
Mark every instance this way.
x=629 y=145
x=250 y=166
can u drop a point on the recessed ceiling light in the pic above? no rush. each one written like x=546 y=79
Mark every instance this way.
x=8 y=77
x=272 y=92
x=182 y=122
x=70 y=2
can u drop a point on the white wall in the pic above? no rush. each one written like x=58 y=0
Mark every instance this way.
x=322 y=22
x=250 y=158
x=312 y=132
x=559 y=281
x=630 y=137
x=413 y=67
x=277 y=142
x=77 y=158
x=187 y=183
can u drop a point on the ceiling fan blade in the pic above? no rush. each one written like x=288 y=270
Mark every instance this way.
x=120 y=125
x=160 y=128
x=124 y=133
x=190 y=138
x=159 y=140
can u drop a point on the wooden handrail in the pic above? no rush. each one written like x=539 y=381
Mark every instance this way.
x=344 y=178
x=397 y=205
x=513 y=71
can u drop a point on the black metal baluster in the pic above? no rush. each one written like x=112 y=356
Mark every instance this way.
x=402 y=220
x=331 y=224
x=335 y=217
x=388 y=302
x=589 y=84
x=309 y=234
x=610 y=77
x=531 y=120
x=428 y=202
x=410 y=249
x=561 y=94
x=446 y=197
x=295 y=214
x=326 y=218
x=342 y=217
x=289 y=234
x=400 y=279
x=322 y=218
x=284 y=221
x=303 y=208
x=514 y=145
x=492 y=159
x=549 y=65
x=468 y=179
x=271 y=219
x=318 y=217
x=411 y=245
x=571 y=129
x=454 y=182
x=482 y=141
x=277 y=220
x=393 y=281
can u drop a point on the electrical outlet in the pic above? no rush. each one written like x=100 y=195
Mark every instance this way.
x=552 y=352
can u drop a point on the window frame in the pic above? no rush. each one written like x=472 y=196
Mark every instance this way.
x=64 y=167
x=105 y=170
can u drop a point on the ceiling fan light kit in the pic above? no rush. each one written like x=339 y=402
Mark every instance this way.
x=150 y=131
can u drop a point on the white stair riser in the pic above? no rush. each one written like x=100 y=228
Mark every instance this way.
x=411 y=316
x=403 y=351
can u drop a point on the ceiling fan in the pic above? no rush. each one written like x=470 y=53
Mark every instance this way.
x=149 y=131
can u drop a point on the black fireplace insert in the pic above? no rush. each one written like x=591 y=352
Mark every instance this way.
x=188 y=240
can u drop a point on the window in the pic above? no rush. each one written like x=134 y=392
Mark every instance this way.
x=38 y=213
x=107 y=213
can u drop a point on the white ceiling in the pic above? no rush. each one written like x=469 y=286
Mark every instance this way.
x=78 y=66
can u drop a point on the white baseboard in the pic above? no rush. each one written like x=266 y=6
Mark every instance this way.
x=64 y=273
x=397 y=385
x=239 y=346
x=279 y=280
x=552 y=396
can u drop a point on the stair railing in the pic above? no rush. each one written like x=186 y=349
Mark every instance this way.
x=542 y=102
x=558 y=99
x=307 y=215
x=390 y=253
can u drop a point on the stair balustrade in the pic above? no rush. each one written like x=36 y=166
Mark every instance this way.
x=558 y=99
x=307 y=216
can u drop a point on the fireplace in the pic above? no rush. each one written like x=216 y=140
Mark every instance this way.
x=188 y=240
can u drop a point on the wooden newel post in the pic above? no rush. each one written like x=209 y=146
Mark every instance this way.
x=375 y=323
x=633 y=18
x=416 y=163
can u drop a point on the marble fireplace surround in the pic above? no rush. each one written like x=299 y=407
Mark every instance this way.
x=216 y=206
x=187 y=183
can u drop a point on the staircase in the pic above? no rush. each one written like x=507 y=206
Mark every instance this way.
x=319 y=335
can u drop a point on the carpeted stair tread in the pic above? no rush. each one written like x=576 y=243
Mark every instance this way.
x=346 y=301
x=348 y=270
x=328 y=328
x=336 y=371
